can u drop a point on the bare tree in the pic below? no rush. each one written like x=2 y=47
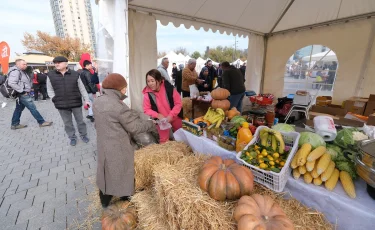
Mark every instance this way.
x=181 y=50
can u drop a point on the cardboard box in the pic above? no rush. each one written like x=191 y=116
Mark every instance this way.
x=332 y=109
x=370 y=107
x=356 y=105
x=341 y=121
x=323 y=100
x=371 y=120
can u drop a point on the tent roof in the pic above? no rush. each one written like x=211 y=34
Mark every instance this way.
x=323 y=56
x=257 y=16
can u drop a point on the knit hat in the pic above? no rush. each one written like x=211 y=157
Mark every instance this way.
x=114 y=81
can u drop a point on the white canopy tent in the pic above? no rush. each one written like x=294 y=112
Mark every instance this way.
x=237 y=63
x=323 y=56
x=275 y=28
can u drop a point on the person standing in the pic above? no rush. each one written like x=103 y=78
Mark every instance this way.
x=212 y=73
x=20 y=81
x=163 y=69
x=219 y=74
x=207 y=84
x=161 y=100
x=174 y=71
x=234 y=82
x=115 y=124
x=189 y=77
x=36 y=84
x=66 y=89
x=178 y=82
x=86 y=78
x=42 y=81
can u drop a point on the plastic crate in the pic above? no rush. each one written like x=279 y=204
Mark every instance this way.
x=272 y=180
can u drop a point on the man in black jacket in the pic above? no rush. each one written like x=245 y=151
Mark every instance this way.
x=42 y=80
x=66 y=90
x=234 y=82
x=91 y=88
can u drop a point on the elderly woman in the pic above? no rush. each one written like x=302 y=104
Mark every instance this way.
x=161 y=100
x=115 y=124
x=189 y=77
x=207 y=84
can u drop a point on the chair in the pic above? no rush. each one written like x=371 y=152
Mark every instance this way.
x=303 y=108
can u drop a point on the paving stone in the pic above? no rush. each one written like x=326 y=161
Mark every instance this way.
x=12 y=176
x=27 y=185
x=9 y=221
x=21 y=168
x=15 y=197
x=20 y=205
x=22 y=226
x=56 y=183
x=11 y=190
x=40 y=221
x=32 y=170
x=39 y=198
x=5 y=184
x=57 y=169
x=30 y=213
x=59 y=225
x=39 y=174
x=52 y=204
x=36 y=190
x=49 y=165
x=16 y=164
x=44 y=180
x=35 y=159
x=70 y=187
x=73 y=165
x=21 y=180
x=40 y=163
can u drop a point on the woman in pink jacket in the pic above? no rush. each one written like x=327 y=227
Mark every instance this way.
x=161 y=100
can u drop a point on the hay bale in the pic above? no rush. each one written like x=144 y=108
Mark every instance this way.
x=147 y=158
x=185 y=205
x=149 y=217
x=200 y=109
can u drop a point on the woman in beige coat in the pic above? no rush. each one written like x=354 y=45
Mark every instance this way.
x=115 y=124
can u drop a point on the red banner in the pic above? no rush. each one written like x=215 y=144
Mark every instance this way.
x=4 y=57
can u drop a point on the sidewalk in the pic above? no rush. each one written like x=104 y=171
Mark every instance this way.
x=44 y=182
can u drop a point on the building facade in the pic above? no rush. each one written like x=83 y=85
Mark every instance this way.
x=74 y=18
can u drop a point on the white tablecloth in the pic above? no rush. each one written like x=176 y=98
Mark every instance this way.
x=347 y=213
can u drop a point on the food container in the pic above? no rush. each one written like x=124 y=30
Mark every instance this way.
x=227 y=142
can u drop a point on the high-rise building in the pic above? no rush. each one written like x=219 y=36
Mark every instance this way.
x=74 y=18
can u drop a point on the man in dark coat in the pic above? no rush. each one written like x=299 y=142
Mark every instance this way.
x=86 y=78
x=234 y=82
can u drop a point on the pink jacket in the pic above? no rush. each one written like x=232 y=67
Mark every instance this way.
x=161 y=102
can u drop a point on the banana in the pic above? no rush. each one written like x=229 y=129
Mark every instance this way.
x=274 y=143
x=269 y=140
x=263 y=138
x=280 y=141
x=220 y=111
x=218 y=123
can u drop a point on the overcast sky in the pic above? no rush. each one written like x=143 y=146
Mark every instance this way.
x=20 y=16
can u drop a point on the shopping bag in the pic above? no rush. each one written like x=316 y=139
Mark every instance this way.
x=194 y=92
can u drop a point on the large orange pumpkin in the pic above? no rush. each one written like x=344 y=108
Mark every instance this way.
x=260 y=212
x=119 y=216
x=222 y=104
x=220 y=94
x=225 y=179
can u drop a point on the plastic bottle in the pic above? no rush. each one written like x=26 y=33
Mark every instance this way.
x=244 y=136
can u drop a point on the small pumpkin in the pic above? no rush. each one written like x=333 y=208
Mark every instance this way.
x=119 y=216
x=220 y=94
x=222 y=104
x=225 y=179
x=260 y=212
x=232 y=113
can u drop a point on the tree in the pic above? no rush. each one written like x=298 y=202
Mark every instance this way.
x=69 y=47
x=221 y=54
x=196 y=55
x=161 y=54
x=181 y=50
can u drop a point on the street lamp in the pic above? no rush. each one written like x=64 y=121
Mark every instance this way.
x=235 y=47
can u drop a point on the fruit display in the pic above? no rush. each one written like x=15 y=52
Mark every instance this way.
x=222 y=104
x=244 y=137
x=232 y=113
x=225 y=179
x=214 y=133
x=227 y=142
x=192 y=128
x=215 y=116
x=119 y=216
x=317 y=167
x=238 y=120
x=220 y=94
x=260 y=212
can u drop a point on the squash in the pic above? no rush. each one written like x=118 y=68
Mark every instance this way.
x=260 y=212
x=225 y=179
x=232 y=113
x=222 y=104
x=220 y=94
x=119 y=216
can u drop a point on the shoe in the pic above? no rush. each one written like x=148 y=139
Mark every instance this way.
x=3 y=104
x=14 y=127
x=73 y=142
x=44 y=100
x=85 y=139
x=91 y=118
x=46 y=123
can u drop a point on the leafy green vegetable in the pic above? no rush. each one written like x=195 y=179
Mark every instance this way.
x=334 y=151
x=283 y=127
x=314 y=139
x=347 y=166
x=345 y=139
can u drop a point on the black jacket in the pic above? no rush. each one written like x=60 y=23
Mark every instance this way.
x=233 y=81
x=86 y=80
x=67 y=94
x=42 y=78
x=178 y=81
x=208 y=81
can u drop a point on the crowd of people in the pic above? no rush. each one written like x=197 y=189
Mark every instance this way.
x=115 y=122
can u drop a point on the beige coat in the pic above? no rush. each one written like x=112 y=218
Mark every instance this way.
x=115 y=123
x=188 y=78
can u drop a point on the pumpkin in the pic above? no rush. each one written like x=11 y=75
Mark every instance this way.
x=225 y=179
x=260 y=212
x=232 y=113
x=220 y=94
x=119 y=216
x=222 y=104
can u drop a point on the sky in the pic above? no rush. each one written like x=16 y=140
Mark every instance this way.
x=20 y=16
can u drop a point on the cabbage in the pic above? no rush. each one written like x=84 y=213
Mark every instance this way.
x=334 y=151
x=345 y=139
x=347 y=166
x=283 y=128
x=314 y=139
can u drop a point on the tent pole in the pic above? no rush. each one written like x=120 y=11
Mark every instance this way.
x=366 y=60
x=264 y=64
x=281 y=16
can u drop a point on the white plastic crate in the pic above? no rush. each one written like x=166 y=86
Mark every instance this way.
x=272 y=180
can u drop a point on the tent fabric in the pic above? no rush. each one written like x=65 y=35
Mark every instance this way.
x=251 y=15
x=142 y=55
x=254 y=63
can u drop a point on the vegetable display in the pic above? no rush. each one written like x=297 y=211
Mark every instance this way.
x=282 y=127
x=214 y=116
x=220 y=94
x=312 y=138
x=119 y=216
x=222 y=104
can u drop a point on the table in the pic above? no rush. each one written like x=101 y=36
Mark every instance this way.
x=196 y=102
x=347 y=213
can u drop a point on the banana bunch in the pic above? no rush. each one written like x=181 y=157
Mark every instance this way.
x=272 y=138
x=215 y=116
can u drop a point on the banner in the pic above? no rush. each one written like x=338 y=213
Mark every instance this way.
x=4 y=57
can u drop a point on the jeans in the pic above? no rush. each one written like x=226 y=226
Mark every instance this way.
x=66 y=115
x=22 y=102
x=91 y=97
x=236 y=101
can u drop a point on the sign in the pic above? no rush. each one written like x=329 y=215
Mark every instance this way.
x=4 y=57
x=49 y=63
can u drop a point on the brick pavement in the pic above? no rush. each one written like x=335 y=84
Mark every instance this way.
x=43 y=180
